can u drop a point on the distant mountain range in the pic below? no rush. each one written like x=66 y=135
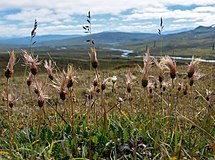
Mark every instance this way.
x=199 y=36
x=38 y=39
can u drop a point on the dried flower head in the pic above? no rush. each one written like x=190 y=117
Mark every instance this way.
x=106 y=82
x=179 y=86
x=29 y=79
x=96 y=81
x=40 y=91
x=70 y=76
x=61 y=85
x=91 y=92
x=93 y=57
x=41 y=98
x=192 y=66
x=150 y=87
x=196 y=76
x=146 y=69
x=160 y=70
x=37 y=87
x=165 y=85
x=31 y=62
x=48 y=66
x=184 y=88
x=208 y=94
x=10 y=99
x=170 y=64
x=129 y=78
x=9 y=70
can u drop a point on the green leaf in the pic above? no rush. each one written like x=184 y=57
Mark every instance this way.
x=95 y=139
x=95 y=156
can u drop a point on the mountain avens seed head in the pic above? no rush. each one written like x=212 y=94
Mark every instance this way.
x=144 y=83
x=34 y=70
x=51 y=77
x=95 y=83
x=62 y=95
x=160 y=79
x=103 y=87
x=40 y=103
x=172 y=75
x=191 y=82
x=129 y=88
x=69 y=83
x=8 y=73
x=190 y=74
x=95 y=64
x=11 y=104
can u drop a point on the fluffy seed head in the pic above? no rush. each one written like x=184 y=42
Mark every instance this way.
x=95 y=82
x=160 y=70
x=48 y=66
x=104 y=83
x=9 y=70
x=40 y=101
x=146 y=69
x=70 y=76
x=170 y=64
x=29 y=79
x=61 y=84
x=90 y=93
x=31 y=62
x=192 y=67
x=93 y=57
x=129 y=78
x=11 y=99
x=184 y=89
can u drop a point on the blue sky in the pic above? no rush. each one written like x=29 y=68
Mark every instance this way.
x=68 y=16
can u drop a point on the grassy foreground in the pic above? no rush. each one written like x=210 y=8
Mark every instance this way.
x=82 y=114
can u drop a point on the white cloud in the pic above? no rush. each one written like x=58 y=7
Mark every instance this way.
x=184 y=20
x=205 y=9
x=57 y=16
x=42 y=15
x=114 y=19
x=97 y=6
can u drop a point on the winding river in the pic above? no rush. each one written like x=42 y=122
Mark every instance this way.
x=125 y=53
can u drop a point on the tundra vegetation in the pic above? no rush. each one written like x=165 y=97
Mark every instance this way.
x=150 y=109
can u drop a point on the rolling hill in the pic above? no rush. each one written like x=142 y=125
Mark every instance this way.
x=200 y=37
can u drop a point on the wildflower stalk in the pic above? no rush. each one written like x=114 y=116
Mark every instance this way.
x=160 y=33
x=9 y=119
x=72 y=120
x=147 y=103
x=129 y=79
x=192 y=102
x=8 y=73
x=104 y=109
x=162 y=104
x=131 y=106
x=172 y=94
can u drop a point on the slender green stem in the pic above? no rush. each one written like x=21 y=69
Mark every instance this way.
x=161 y=44
x=148 y=107
x=9 y=119
x=104 y=110
x=72 y=120
x=192 y=102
